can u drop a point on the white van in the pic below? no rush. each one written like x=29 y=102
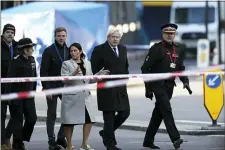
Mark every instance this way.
x=190 y=18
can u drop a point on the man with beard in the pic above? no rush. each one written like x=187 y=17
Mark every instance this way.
x=8 y=52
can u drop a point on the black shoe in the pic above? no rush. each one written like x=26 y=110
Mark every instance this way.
x=101 y=133
x=177 y=143
x=61 y=142
x=53 y=146
x=151 y=145
x=113 y=148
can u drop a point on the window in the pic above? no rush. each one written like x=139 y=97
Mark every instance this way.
x=193 y=15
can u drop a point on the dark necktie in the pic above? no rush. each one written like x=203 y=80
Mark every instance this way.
x=11 y=52
x=114 y=49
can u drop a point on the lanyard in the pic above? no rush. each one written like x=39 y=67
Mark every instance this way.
x=59 y=54
x=174 y=52
x=11 y=52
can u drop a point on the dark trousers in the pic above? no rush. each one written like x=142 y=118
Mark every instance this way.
x=113 y=121
x=51 y=118
x=162 y=111
x=18 y=109
x=6 y=132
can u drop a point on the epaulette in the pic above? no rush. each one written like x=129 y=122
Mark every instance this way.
x=155 y=44
x=16 y=56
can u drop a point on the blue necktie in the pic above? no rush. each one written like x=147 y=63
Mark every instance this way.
x=11 y=52
x=114 y=49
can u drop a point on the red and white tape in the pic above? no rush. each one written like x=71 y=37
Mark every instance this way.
x=108 y=84
x=65 y=78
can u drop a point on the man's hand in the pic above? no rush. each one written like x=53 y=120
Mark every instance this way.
x=186 y=86
x=148 y=94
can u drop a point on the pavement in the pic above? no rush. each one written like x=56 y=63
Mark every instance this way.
x=127 y=140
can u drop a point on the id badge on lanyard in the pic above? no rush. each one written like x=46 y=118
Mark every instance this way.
x=59 y=54
x=172 y=65
x=173 y=61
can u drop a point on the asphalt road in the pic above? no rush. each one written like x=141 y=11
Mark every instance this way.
x=127 y=140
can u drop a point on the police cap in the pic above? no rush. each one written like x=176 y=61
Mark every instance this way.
x=169 y=28
x=25 y=42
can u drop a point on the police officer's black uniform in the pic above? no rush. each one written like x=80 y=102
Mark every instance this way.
x=162 y=58
x=22 y=66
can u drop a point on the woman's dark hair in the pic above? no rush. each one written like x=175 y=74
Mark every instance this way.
x=78 y=46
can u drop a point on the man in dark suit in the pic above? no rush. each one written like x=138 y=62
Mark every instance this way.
x=113 y=57
x=8 y=52
x=52 y=59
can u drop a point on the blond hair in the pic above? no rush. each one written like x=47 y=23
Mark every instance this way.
x=113 y=29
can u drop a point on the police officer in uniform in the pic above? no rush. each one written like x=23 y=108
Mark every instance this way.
x=22 y=66
x=163 y=57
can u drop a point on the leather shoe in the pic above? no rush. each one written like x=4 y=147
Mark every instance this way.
x=101 y=133
x=62 y=143
x=113 y=148
x=148 y=94
x=152 y=146
x=177 y=143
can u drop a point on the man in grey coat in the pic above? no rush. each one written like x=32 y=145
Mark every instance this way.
x=113 y=57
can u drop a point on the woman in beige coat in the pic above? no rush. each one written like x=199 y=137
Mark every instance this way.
x=76 y=107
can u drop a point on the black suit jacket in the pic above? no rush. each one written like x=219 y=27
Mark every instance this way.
x=21 y=67
x=51 y=66
x=111 y=99
x=5 y=59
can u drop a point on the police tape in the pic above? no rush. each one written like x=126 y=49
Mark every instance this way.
x=73 y=89
x=66 y=78
x=101 y=85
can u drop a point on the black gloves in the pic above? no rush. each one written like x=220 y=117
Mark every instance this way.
x=148 y=94
x=186 y=86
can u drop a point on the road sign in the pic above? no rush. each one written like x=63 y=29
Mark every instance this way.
x=213 y=81
x=213 y=94
x=203 y=53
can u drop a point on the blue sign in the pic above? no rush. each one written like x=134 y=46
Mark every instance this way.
x=213 y=81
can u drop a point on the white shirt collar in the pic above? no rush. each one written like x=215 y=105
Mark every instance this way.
x=9 y=44
x=113 y=47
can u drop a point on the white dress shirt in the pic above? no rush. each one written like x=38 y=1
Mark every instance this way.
x=117 y=51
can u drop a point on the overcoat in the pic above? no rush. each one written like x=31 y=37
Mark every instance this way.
x=73 y=103
x=116 y=98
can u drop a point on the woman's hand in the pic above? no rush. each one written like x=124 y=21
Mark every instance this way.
x=77 y=70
